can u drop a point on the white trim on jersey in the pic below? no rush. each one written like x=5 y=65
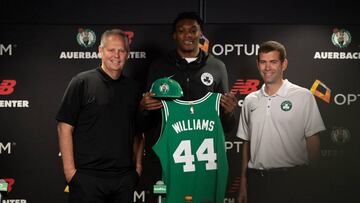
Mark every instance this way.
x=166 y=110
x=182 y=102
x=217 y=104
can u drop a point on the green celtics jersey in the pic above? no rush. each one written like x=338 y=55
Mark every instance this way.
x=192 y=152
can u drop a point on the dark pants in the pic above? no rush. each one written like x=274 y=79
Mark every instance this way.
x=84 y=188
x=282 y=185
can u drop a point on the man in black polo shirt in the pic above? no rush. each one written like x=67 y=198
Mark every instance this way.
x=96 y=127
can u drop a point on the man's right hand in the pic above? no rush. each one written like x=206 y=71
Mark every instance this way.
x=149 y=103
x=243 y=191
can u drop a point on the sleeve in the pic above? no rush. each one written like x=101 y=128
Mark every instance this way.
x=71 y=102
x=313 y=120
x=224 y=80
x=243 y=131
x=150 y=119
x=139 y=116
x=228 y=121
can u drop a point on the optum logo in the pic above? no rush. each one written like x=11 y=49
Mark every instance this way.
x=339 y=99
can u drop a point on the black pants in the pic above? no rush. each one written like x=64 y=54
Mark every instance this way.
x=84 y=188
x=283 y=185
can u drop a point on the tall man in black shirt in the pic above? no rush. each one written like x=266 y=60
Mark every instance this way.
x=96 y=128
x=196 y=71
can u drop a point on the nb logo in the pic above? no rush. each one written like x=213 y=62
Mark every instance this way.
x=245 y=87
x=7 y=87
x=130 y=35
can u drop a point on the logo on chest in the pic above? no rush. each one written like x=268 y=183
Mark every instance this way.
x=207 y=79
x=286 y=105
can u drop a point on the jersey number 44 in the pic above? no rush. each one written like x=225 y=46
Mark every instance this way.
x=205 y=152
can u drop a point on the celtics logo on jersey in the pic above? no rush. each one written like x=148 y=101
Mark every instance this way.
x=286 y=105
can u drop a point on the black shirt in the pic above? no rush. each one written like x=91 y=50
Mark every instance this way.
x=103 y=112
x=197 y=78
x=205 y=74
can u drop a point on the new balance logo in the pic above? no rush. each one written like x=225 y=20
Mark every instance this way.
x=130 y=35
x=7 y=87
x=245 y=87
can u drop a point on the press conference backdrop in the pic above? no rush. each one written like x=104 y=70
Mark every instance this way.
x=38 y=61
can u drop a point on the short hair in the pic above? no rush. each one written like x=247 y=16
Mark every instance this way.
x=117 y=32
x=187 y=15
x=269 y=46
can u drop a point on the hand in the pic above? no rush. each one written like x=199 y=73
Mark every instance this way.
x=69 y=174
x=243 y=191
x=229 y=102
x=139 y=169
x=149 y=103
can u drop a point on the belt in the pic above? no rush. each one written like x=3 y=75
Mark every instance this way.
x=264 y=172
